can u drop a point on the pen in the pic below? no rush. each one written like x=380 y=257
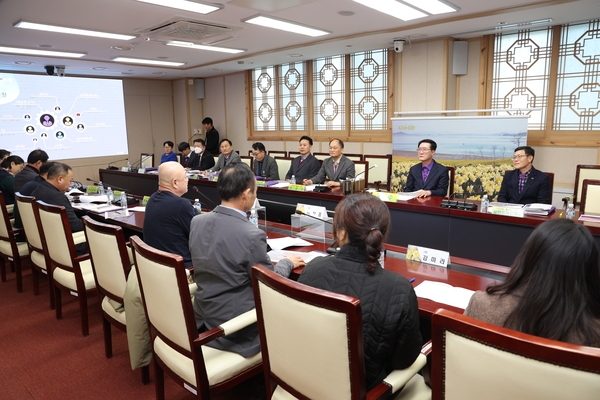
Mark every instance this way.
x=411 y=280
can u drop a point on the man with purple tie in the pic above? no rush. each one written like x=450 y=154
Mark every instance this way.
x=525 y=184
x=428 y=177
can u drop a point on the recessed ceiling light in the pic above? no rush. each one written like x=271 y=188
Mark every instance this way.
x=71 y=31
x=193 y=6
x=148 y=62
x=22 y=63
x=35 y=52
x=393 y=8
x=433 y=6
x=99 y=68
x=191 y=45
x=284 y=25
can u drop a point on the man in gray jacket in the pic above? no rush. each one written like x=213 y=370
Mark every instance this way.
x=264 y=165
x=334 y=168
x=224 y=247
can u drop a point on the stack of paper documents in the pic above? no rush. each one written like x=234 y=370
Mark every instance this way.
x=538 y=209
x=285 y=242
x=278 y=255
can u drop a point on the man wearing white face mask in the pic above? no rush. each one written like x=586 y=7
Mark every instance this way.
x=200 y=159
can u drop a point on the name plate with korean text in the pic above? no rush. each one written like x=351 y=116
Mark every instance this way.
x=428 y=256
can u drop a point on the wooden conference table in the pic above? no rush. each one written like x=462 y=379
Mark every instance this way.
x=471 y=235
x=133 y=224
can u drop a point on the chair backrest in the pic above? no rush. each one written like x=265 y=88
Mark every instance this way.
x=584 y=172
x=166 y=295
x=355 y=156
x=247 y=160
x=451 y=173
x=216 y=158
x=476 y=360
x=27 y=214
x=293 y=154
x=110 y=260
x=283 y=165
x=278 y=153
x=146 y=160
x=57 y=237
x=5 y=225
x=590 y=197
x=179 y=157
x=383 y=171
x=359 y=167
x=310 y=330
x=321 y=156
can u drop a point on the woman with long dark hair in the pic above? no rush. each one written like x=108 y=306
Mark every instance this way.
x=552 y=289
x=391 y=335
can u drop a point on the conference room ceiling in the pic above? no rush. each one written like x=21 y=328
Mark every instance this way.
x=361 y=29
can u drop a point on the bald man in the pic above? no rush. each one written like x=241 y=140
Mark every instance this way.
x=168 y=215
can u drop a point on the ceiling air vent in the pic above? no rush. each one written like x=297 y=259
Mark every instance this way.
x=190 y=31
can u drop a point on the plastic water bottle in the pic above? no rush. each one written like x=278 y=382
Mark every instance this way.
x=570 y=211
x=100 y=187
x=254 y=217
x=109 y=196
x=210 y=174
x=123 y=199
x=198 y=206
x=293 y=180
x=485 y=203
x=128 y=166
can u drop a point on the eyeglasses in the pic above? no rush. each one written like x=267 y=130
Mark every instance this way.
x=422 y=150
x=516 y=157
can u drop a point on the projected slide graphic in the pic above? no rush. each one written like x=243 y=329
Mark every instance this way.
x=67 y=117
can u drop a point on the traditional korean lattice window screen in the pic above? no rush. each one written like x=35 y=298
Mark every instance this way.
x=263 y=98
x=292 y=97
x=329 y=83
x=368 y=87
x=521 y=72
x=577 y=104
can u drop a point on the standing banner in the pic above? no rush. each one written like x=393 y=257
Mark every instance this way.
x=478 y=147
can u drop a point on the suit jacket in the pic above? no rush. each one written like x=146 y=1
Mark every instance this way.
x=437 y=180
x=212 y=141
x=345 y=170
x=233 y=157
x=269 y=166
x=182 y=160
x=224 y=247
x=201 y=162
x=303 y=170
x=536 y=189
x=27 y=174
x=47 y=193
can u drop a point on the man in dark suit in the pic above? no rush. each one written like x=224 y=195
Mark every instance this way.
x=525 y=184
x=201 y=159
x=305 y=165
x=224 y=247
x=334 y=168
x=52 y=191
x=32 y=169
x=184 y=149
x=428 y=177
x=264 y=165
x=212 y=136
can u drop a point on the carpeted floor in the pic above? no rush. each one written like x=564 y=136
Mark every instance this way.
x=44 y=358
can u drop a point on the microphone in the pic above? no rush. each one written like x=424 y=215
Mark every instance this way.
x=360 y=173
x=313 y=217
x=113 y=168
x=133 y=166
x=108 y=186
x=195 y=189
x=448 y=203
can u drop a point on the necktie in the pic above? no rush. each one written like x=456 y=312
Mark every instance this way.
x=425 y=174
x=522 y=180
x=335 y=168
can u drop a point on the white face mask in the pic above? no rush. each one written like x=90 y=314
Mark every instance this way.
x=197 y=150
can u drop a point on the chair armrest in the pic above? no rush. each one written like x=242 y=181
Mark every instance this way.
x=79 y=237
x=227 y=328
x=82 y=257
x=399 y=377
